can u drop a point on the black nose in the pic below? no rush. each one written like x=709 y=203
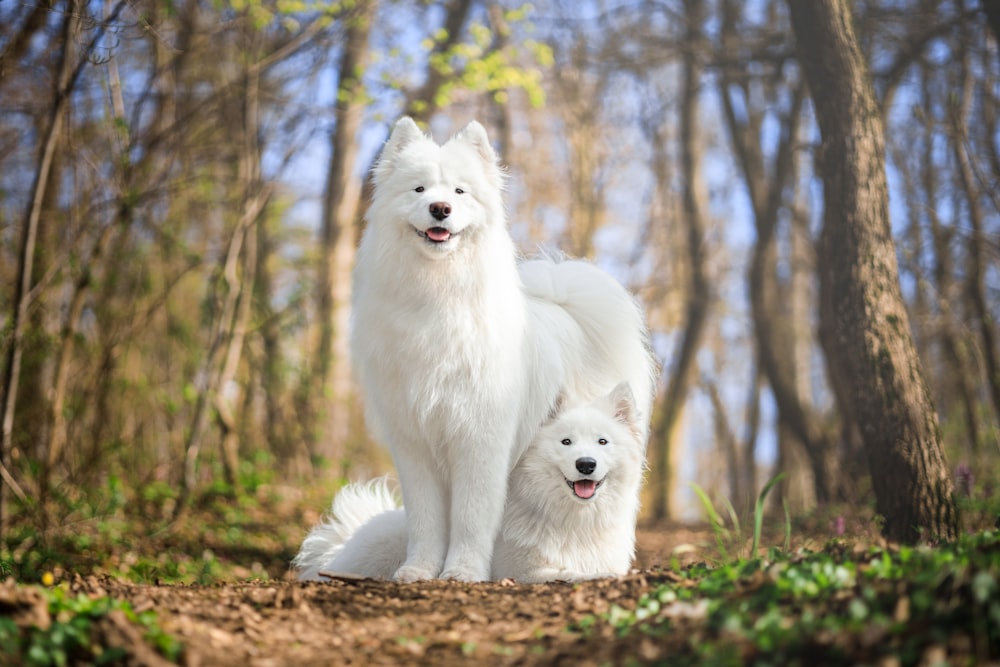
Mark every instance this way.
x=586 y=465
x=440 y=210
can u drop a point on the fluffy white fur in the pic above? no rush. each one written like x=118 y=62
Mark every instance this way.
x=571 y=507
x=460 y=354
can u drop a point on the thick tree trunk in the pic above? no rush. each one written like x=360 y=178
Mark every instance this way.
x=865 y=316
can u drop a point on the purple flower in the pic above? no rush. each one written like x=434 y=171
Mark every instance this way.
x=839 y=526
x=964 y=479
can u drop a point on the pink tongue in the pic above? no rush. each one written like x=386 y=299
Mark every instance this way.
x=584 y=488
x=438 y=234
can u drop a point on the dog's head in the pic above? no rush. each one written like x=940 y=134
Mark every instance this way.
x=590 y=450
x=437 y=196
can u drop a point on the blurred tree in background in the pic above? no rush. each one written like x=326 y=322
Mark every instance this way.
x=182 y=186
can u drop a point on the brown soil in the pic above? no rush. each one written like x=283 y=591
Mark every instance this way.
x=366 y=622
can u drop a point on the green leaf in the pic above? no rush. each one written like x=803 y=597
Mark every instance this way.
x=758 y=512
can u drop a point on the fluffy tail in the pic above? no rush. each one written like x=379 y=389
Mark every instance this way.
x=611 y=323
x=354 y=506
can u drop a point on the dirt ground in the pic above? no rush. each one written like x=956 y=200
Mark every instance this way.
x=366 y=622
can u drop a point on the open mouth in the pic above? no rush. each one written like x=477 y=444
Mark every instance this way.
x=585 y=489
x=436 y=234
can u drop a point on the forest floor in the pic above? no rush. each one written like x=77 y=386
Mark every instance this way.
x=691 y=600
x=368 y=622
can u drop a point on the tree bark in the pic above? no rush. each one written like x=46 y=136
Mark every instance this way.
x=865 y=315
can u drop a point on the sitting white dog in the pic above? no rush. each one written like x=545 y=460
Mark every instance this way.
x=571 y=508
x=461 y=352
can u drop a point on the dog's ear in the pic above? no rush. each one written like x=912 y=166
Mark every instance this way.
x=623 y=405
x=557 y=407
x=474 y=134
x=404 y=133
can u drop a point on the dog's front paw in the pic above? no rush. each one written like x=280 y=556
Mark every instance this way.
x=464 y=573
x=407 y=574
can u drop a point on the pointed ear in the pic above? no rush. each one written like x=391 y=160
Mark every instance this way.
x=474 y=134
x=623 y=406
x=557 y=407
x=404 y=133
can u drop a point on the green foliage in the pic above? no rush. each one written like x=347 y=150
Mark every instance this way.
x=730 y=538
x=847 y=606
x=479 y=66
x=130 y=535
x=758 y=513
x=69 y=635
x=263 y=13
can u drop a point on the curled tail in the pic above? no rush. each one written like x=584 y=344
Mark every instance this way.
x=610 y=320
x=354 y=506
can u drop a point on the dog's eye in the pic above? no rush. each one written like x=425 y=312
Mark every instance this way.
x=419 y=188
x=567 y=442
x=602 y=441
x=459 y=191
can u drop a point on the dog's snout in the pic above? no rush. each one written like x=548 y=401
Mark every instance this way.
x=440 y=210
x=586 y=465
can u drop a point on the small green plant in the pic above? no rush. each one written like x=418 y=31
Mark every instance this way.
x=849 y=606
x=68 y=634
x=727 y=538
x=758 y=516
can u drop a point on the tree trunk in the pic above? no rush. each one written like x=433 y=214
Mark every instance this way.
x=865 y=315
x=26 y=256
x=338 y=242
x=775 y=332
x=975 y=271
x=957 y=386
x=698 y=295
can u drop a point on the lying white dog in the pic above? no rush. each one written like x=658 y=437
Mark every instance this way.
x=461 y=353
x=571 y=507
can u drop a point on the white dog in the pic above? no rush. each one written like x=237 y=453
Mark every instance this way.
x=571 y=506
x=461 y=353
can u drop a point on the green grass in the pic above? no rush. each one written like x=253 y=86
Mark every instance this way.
x=67 y=632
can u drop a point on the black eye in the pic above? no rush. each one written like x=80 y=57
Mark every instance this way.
x=419 y=188
x=567 y=442
x=602 y=441
x=459 y=191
